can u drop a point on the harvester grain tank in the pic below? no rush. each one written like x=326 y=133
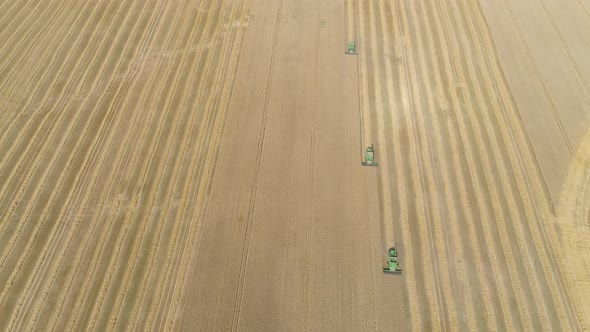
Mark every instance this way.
x=392 y=262
x=370 y=157
x=351 y=48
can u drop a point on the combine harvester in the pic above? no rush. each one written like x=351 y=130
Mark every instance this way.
x=369 y=157
x=392 y=262
x=351 y=48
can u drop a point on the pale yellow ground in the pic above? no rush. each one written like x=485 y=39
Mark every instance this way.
x=195 y=165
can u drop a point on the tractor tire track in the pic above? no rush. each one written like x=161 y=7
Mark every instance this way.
x=259 y=153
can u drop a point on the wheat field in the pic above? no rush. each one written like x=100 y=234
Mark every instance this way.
x=195 y=165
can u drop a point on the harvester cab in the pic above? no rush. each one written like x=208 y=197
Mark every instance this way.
x=369 y=157
x=392 y=262
x=351 y=48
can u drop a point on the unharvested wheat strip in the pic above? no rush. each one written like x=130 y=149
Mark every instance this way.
x=517 y=132
x=147 y=237
x=98 y=316
x=401 y=192
x=450 y=201
x=530 y=59
x=495 y=199
x=167 y=199
x=87 y=193
x=47 y=61
x=44 y=176
x=580 y=75
x=177 y=223
x=53 y=195
x=433 y=223
x=417 y=167
x=53 y=125
x=501 y=317
x=518 y=191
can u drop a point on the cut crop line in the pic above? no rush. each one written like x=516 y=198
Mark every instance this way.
x=136 y=151
x=216 y=87
x=9 y=12
x=401 y=191
x=512 y=209
x=47 y=62
x=107 y=317
x=442 y=19
x=52 y=131
x=425 y=180
x=35 y=194
x=77 y=218
x=42 y=60
x=94 y=219
x=58 y=189
x=50 y=36
x=458 y=71
x=18 y=139
x=204 y=185
x=519 y=181
x=530 y=165
x=425 y=69
x=8 y=34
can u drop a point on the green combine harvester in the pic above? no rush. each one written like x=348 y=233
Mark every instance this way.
x=351 y=48
x=369 y=157
x=392 y=262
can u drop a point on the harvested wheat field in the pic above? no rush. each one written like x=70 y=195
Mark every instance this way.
x=195 y=165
